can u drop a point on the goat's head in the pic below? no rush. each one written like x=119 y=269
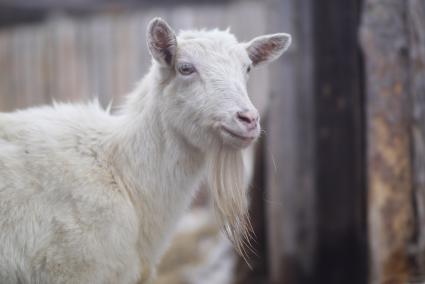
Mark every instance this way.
x=203 y=80
x=204 y=76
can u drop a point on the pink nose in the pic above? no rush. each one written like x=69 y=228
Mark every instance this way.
x=248 y=118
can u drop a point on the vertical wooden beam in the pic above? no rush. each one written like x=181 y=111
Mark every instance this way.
x=301 y=200
x=340 y=155
x=416 y=26
x=385 y=43
x=290 y=148
x=280 y=144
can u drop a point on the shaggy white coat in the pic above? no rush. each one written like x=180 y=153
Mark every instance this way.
x=90 y=197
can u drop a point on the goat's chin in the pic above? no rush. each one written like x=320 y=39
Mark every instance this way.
x=226 y=181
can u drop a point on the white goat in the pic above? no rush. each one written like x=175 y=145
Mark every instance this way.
x=89 y=197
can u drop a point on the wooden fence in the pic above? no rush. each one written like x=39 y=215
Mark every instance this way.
x=77 y=58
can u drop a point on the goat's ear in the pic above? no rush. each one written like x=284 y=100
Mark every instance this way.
x=266 y=48
x=162 y=42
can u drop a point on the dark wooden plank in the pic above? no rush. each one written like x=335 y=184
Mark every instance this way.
x=340 y=178
x=95 y=4
x=15 y=12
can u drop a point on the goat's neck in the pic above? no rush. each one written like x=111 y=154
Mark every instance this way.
x=159 y=170
x=155 y=151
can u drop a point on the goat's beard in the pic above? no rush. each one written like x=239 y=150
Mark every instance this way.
x=230 y=198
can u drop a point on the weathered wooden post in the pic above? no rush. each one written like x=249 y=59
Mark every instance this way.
x=391 y=81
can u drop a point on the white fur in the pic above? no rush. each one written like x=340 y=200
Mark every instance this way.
x=90 y=197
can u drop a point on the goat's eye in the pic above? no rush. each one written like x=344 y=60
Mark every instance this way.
x=248 y=69
x=186 y=69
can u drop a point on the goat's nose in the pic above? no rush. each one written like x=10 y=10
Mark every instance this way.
x=248 y=118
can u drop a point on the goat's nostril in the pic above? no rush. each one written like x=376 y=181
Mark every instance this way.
x=249 y=118
x=244 y=118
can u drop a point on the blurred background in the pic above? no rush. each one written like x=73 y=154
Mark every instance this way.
x=337 y=180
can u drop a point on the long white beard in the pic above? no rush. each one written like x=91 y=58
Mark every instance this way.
x=229 y=192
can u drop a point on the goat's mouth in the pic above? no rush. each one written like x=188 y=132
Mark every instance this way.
x=237 y=135
x=237 y=138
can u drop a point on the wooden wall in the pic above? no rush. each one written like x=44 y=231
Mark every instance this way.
x=347 y=137
x=71 y=58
